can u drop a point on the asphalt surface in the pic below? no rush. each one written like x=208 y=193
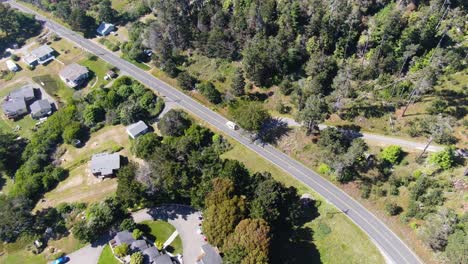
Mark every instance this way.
x=393 y=248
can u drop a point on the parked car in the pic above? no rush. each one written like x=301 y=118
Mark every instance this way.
x=61 y=260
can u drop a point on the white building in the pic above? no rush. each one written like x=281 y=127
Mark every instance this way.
x=12 y=66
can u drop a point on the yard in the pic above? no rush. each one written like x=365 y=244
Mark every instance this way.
x=160 y=231
x=98 y=70
x=107 y=257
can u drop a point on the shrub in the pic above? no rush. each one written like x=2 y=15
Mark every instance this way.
x=186 y=81
x=365 y=191
x=391 y=154
x=14 y=57
x=394 y=190
x=122 y=250
x=137 y=258
x=444 y=159
x=137 y=233
x=323 y=229
x=71 y=132
x=392 y=209
x=208 y=90
x=324 y=169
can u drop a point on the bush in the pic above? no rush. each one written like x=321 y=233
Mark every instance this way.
x=137 y=233
x=208 y=90
x=323 y=229
x=122 y=250
x=391 y=154
x=72 y=132
x=14 y=57
x=365 y=191
x=324 y=169
x=392 y=209
x=174 y=123
x=444 y=159
x=186 y=81
x=137 y=258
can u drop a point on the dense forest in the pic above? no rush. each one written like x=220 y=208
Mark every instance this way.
x=16 y=27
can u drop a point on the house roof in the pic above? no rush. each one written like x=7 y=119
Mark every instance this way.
x=163 y=259
x=139 y=245
x=11 y=65
x=30 y=59
x=136 y=128
x=73 y=71
x=42 y=51
x=13 y=106
x=40 y=106
x=105 y=163
x=211 y=256
x=104 y=28
x=151 y=253
x=26 y=92
x=124 y=237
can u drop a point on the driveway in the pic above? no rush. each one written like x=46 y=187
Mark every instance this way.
x=184 y=218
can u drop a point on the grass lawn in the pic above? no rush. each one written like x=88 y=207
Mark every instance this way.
x=344 y=243
x=15 y=253
x=98 y=68
x=160 y=231
x=55 y=87
x=107 y=257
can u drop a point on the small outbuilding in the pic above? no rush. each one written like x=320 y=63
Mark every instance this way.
x=74 y=74
x=105 y=29
x=41 y=108
x=105 y=164
x=12 y=66
x=137 y=129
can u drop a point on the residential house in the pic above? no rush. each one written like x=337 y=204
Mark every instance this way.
x=137 y=129
x=74 y=74
x=150 y=254
x=12 y=66
x=40 y=108
x=163 y=259
x=105 y=164
x=25 y=93
x=105 y=29
x=14 y=108
x=209 y=255
x=41 y=55
x=123 y=237
x=138 y=245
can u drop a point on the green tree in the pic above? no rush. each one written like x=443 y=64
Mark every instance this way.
x=93 y=114
x=186 y=81
x=457 y=247
x=249 y=115
x=444 y=159
x=392 y=208
x=143 y=146
x=129 y=190
x=10 y=152
x=437 y=228
x=174 y=123
x=391 y=154
x=315 y=110
x=254 y=236
x=128 y=224
x=122 y=250
x=72 y=132
x=105 y=11
x=15 y=218
x=238 y=83
x=208 y=90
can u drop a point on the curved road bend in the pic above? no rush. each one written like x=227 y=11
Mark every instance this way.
x=389 y=243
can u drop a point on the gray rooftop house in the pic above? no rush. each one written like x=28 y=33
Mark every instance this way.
x=41 y=55
x=25 y=93
x=124 y=237
x=209 y=255
x=150 y=254
x=105 y=28
x=40 y=108
x=105 y=164
x=138 y=245
x=14 y=108
x=163 y=259
x=137 y=129
x=74 y=74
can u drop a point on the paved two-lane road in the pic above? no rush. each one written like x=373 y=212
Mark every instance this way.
x=393 y=248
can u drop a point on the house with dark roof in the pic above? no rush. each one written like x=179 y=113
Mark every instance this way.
x=105 y=164
x=25 y=93
x=123 y=237
x=150 y=254
x=163 y=259
x=14 y=108
x=41 y=55
x=74 y=75
x=137 y=129
x=105 y=29
x=40 y=108
x=138 y=245
x=209 y=255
